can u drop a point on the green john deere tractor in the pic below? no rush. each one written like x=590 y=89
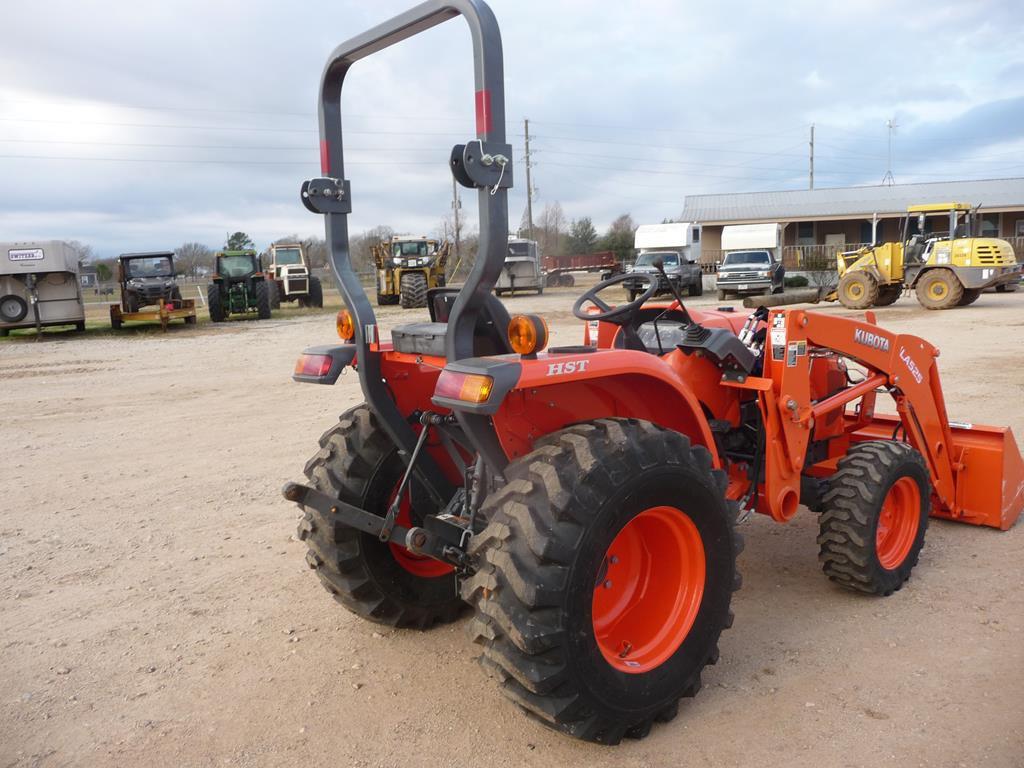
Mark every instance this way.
x=239 y=285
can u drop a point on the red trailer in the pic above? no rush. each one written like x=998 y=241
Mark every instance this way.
x=558 y=269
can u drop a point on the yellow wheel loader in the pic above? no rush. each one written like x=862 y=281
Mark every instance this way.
x=945 y=268
x=407 y=267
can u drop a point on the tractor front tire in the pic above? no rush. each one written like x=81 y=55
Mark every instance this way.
x=970 y=296
x=215 y=303
x=939 y=289
x=604 y=577
x=858 y=290
x=381 y=582
x=413 y=290
x=875 y=517
x=263 y=300
x=315 y=298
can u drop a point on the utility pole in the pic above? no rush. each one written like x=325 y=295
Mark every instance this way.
x=456 y=205
x=889 y=179
x=529 y=184
x=811 y=181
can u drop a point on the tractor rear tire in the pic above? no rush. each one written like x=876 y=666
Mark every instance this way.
x=413 y=290
x=384 y=583
x=970 y=296
x=262 y=291
x=939 y=289
x=875 y=517
x=596 y=644
x=215 y=303
x=858 y=290
x=274 y=293
x=888 y=294
x=315 y=298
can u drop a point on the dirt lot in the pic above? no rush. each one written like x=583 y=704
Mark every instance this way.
x=156 y=610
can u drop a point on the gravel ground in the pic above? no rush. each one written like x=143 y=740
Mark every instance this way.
x=155 y=608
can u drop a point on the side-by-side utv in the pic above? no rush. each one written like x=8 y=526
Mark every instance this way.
x=584 y=500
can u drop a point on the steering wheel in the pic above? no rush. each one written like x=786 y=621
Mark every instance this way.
x=618 y=313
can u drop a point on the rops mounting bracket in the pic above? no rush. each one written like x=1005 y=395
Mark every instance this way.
x=482 y=164
x=326 y=195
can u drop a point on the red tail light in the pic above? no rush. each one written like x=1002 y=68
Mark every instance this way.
x=313 y=365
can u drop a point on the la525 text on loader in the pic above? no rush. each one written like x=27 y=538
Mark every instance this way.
x=945 y=270
x=584 y=500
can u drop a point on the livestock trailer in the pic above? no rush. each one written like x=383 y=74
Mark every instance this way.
x=39 y=286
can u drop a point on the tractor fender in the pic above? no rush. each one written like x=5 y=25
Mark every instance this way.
x=555 y=390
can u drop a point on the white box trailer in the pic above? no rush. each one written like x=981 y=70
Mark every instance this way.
x=680 y=236
x=753 y=237
x=39 y=286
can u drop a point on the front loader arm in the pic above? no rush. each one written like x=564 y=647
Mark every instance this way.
x=902 y=363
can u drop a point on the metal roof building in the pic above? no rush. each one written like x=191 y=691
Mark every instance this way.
x=849 y=202
x=824 y=220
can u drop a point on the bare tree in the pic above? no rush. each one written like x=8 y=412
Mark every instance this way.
x=192 y=256
x=82 y=250
x=550 y=229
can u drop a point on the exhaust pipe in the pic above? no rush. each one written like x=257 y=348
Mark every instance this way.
x=806 y=296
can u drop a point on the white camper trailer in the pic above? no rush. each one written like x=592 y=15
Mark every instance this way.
x=39 y=286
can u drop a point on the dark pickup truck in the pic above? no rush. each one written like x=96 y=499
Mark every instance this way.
x=681 y=273
x=753 y=271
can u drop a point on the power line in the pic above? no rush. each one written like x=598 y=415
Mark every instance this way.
x=310 y=163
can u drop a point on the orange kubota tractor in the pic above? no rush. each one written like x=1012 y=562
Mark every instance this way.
x=584 y=500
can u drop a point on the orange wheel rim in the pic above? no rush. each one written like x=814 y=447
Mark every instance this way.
x=898 y=523
x=649 y=590
x=418 y=565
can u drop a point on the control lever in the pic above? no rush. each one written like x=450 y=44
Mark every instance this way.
x=659 y=264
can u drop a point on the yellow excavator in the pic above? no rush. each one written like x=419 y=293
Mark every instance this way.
x=945 y=269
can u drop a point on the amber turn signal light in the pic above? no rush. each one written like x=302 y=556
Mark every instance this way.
x=346 y=325
x=467 y=387
x=527 y=334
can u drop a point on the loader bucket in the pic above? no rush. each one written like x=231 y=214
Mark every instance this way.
x=990 y=480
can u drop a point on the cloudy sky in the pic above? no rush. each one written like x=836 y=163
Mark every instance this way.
x=141 y=126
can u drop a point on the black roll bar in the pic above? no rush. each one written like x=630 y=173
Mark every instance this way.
x=484 y=164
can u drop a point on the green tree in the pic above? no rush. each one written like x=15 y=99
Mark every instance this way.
x=582 y=236
x=619 y=237
x=239 y=242
x=103 y=272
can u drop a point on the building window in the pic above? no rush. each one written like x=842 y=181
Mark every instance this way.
x=1020 y=227
x=990 y=225
x=865 y=231
x=696 y=234
x=805 y=233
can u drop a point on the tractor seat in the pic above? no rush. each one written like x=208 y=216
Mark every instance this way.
x=490 y=336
